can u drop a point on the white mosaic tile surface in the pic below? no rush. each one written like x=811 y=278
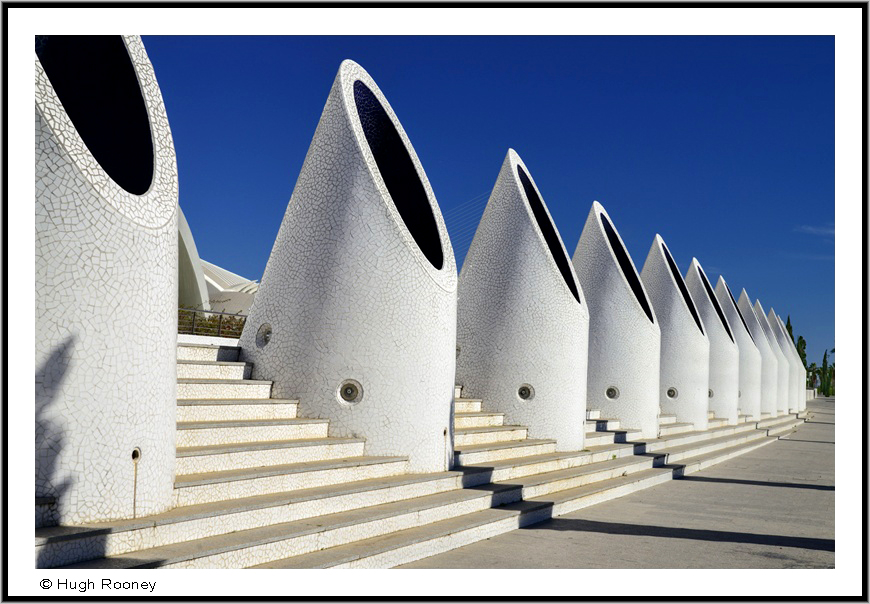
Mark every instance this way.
x=783 y=341
x=685 y=349
x=749 y=372
x=782 y=364
x=769 y=369
x=724 y=355
x=624 y=345
x=350 y=296
x=106 y=292
x=519 y=322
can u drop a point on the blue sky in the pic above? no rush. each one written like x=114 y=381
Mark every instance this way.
x=723 y=145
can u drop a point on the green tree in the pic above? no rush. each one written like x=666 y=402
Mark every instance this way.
x=812 y=372
x=788 y=328
x=824 y=377
x=802 y=350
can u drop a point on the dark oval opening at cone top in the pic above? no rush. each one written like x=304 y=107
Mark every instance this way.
x=97 y=85
x=627 y=267
x=397 y=169
x=739 y=314
x=681 y=285
x=714 y=301
x=549 y=232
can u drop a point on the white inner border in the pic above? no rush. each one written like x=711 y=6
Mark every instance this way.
x=845 y=24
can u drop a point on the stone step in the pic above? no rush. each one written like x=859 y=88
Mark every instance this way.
x=593 y=413
x=716 y=422
x=675 y=428
x=742 y=419
x=213 y=370
x=46 y=512
x=70 y=545
x=488 y=452
x=457 y=391
x=711 y=414
x=667 y=418
x=676 y=454
x=205 y=410
x=223 y=389
x=686 y=438
x=602 y=424
x=611 y=436
x=467 y=405
x=419 y=542
x=488 y=434
x=201 y=434
x=775 y=421
x=191 y=489
x=785 y=427
x=216 y=458
x=766 y=414
x=477 y=420
x=207 y=352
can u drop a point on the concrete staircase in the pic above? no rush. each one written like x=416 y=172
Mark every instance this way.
x=257 y=486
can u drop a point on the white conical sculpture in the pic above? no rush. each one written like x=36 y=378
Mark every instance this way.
x=624 y=336
x=784 y=343
x=749 y=389
x=106 y=281
x=769 y=372
x=782 y=364
x=356 y=313
x=523 y=328
x=724 y=355
x=802 y=371
x=685 y=348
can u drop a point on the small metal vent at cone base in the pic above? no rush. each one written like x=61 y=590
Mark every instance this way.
x=612 y=392
x=350 y=391
x=672 y=393
x=526 y=392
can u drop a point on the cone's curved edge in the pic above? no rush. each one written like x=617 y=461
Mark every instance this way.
x=106 y=299
x=624 y=337
x=724 y=380
x=685 y=348
x=749 y=374
x=522 y=319
x=769 y=363
x=792 y=363
x=801 y=370
x=782 y=364
x=360 y=317
x=192 y=290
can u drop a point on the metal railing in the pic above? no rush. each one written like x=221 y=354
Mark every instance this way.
x=210 y=323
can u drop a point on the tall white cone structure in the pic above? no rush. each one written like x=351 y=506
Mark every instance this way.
x=769 y=369
x=106 y=281
x=624 y=336
x=356 y=312
x=724 y=355
x=192 y=290
x=749 y=389
x=782 y=364
x=685 y=365
x=784 y=343
x=523 y=327
x=802 y=372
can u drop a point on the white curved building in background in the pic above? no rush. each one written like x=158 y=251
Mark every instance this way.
x=106 y=282
x=783 y=368
x=356 y=311
x=749 y=388
x=227 y=291
x=769 y=363
x=685 y=349
x=192 y=289
x=522 y=323
x=624 y=336
x=724 y=354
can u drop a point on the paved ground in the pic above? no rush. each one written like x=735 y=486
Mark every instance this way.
x=770 y=508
